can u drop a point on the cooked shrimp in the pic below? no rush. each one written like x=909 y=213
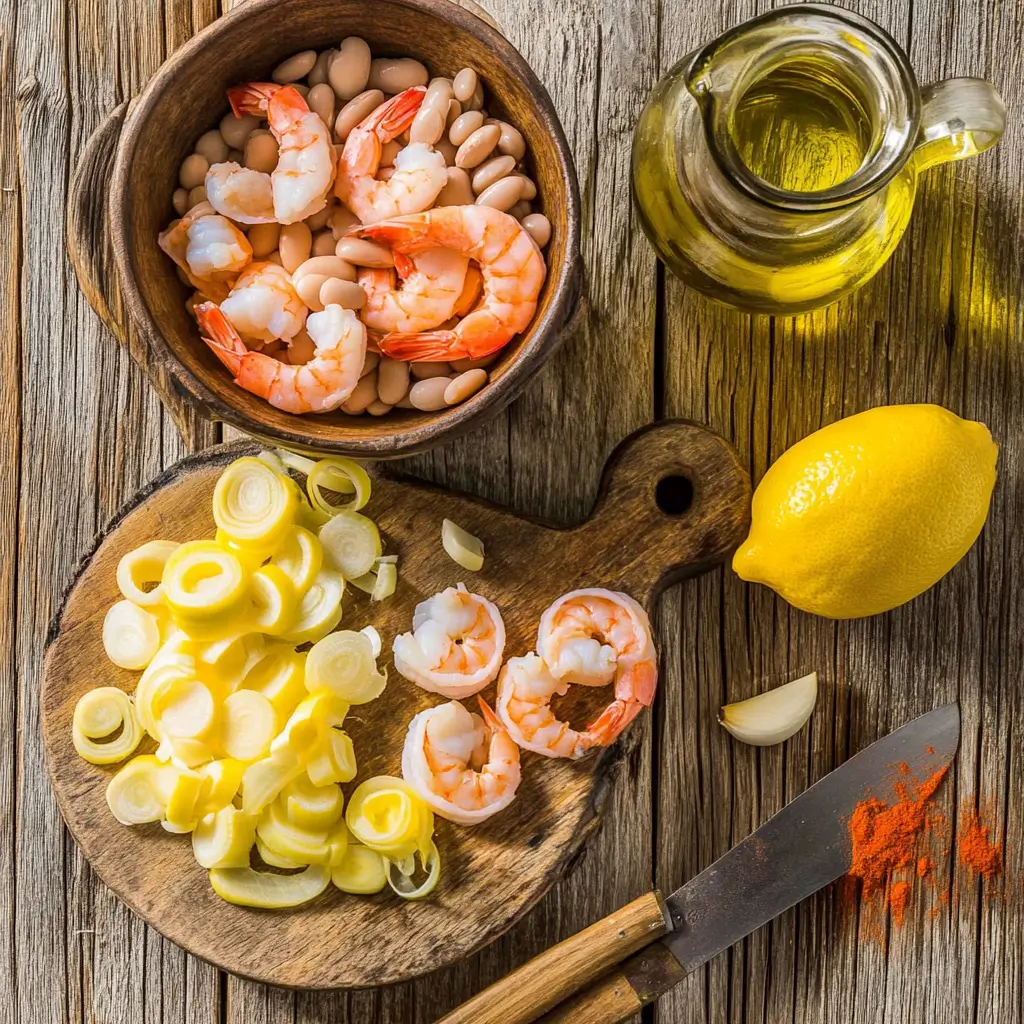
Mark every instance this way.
x=320 y=385
x=510 y=263
x=304 y=174
x=594 y=637
x=419 y=174
x=464 y=766
x=429 y=288
x=238 y=192
x=208 y=247
x=263 y=305
x=525 y=690
x=456 y=644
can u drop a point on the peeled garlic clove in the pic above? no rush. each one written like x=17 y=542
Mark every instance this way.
x=773 y=716
x=462 y=547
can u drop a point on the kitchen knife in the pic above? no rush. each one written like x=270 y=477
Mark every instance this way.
x=794 y=854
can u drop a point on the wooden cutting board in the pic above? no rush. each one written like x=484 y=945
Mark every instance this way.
x=674 y=502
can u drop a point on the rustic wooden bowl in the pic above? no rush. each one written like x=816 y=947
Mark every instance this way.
x=186 y=97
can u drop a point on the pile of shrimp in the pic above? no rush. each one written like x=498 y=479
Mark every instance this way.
x=358 y=236
x=466 y=766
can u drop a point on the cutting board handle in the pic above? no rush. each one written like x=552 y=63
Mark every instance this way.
x=674 y=501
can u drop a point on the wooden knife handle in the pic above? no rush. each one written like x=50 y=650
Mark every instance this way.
x=554 y=975
x=624 y=992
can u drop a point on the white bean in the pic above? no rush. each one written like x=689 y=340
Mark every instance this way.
x=464 y=84
x=180 y=201
x=235 y=156
x=392 y=380
x=308 y=289
x=464 y=126
x=511 y=142
x=454 y=113
x=396 y=74
x=502 y=195
x=476 y=101
x=362 y=395
x=492 y=170
x=466 y=384
x=319 y=220
x=478 y=146
x=363 y=253
x=370 y=363
x=520 y=210
x=235 y=130
x=264 y=238
x=294 y=68
x=427 y=126
x=355 y=110
x=301 y=349
x=350 y=68
x=193 y=170
x=458 y=191
x=447 y=150
x=529 y=188
x=342 y=293
x=323 y=244
x=425 y=371
x=341 y=220
x=318 y=75
x=539 y=228
x=462 y=365
x=261 y=151
x=388 y=152
x=325 y=266
x=211 y=144
x=428 y=395
x=294 y=246
x=321 y=102
x=378 y=408
x=197 y=196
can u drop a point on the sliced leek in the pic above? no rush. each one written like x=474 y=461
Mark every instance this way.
x=131 y=635
x=361 y=871
x=293 y=460
x=401 y=881
x=320 y=609
x=351 y=543
x=225 y=778
x=248 y=725
x=386 y=814
x=140 y=571
x=335 y=761
x=185 y=796
x=280 y=676
x=205 y=588
x=462 y=547
x=250 y=888
x=343 y=663
x=264 y=779
x=312 y=807
x=185 y=708
x=343 y=476
x=305 y=728
x=184 y=752
x=387 y=580
x=274 y=600
x=376 y=645
x=275 y=860
x=253 y=504
x=224 y=839
x=105 y=728
x=138 y=793
x=300 y=557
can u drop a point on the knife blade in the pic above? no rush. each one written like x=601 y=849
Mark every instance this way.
x=797 y=852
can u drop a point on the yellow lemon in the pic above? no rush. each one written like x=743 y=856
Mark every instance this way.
x=870 y=511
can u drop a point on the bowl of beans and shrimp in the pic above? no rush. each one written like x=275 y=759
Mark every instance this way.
x=347 y=233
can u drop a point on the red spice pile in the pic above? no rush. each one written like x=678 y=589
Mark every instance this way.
x=886 y=841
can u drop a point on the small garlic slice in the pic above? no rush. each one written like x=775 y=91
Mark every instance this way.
x=462 y=547
x=773 y=716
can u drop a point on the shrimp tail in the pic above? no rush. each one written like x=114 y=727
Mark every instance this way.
x=390 y=119
x=405 y=235
x=638 y=684
x=222 y=338
x=610 y=723
x=425 y=346
x=404 y=265
x=491 y=720
x=251 y=98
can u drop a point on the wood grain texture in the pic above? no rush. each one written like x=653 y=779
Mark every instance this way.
x=568 y=967
x=943 y=322
x=627 y=542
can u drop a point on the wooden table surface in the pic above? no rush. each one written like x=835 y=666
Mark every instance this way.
x=80 y=430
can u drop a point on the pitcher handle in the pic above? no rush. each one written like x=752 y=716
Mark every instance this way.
x=960 y=117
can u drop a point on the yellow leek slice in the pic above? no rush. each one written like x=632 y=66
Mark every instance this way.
x=280 y=676
x=300 y=845
x=274 y=600
x=351 y=543
x=307 y=724
x=300 y=557
x=226 y=662
x=205 y=589
x=320 y=609
x=186 y=793
x=250 y=557
x=275 y=860
x=225 y=777
x=375 y=642
x=250 y=888
x=184 y=752
x=139 y=572
x=387 y=580
x=343 y=663
x=462 y=547
x=385 y=814
x=159 y=677
x=361 y=871
x=273 y=460
x=248 y=725
x=185 y=708
x=131 y=635
x=293 y=460
x=401 y=880
x=335 y=761
x=224 y=839
x=343 y=476
x=253 y=504
x=99 y=714
x=312 y=807
x=138 y=793
x=264 y=779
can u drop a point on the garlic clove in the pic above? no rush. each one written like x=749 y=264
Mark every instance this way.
x=773 y=716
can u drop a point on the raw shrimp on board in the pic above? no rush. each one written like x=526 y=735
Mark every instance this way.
x=304 y=174
x=208 y=248
x=419 y=175
x=455 y=646
x=464 y=766
x=510 y=263
x=320 y=385
x=428 y=289
x=263 y=305
x=590 y=638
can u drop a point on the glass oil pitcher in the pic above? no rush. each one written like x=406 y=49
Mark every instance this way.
x=775 y=169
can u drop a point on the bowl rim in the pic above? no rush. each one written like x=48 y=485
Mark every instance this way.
x=545 y=333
